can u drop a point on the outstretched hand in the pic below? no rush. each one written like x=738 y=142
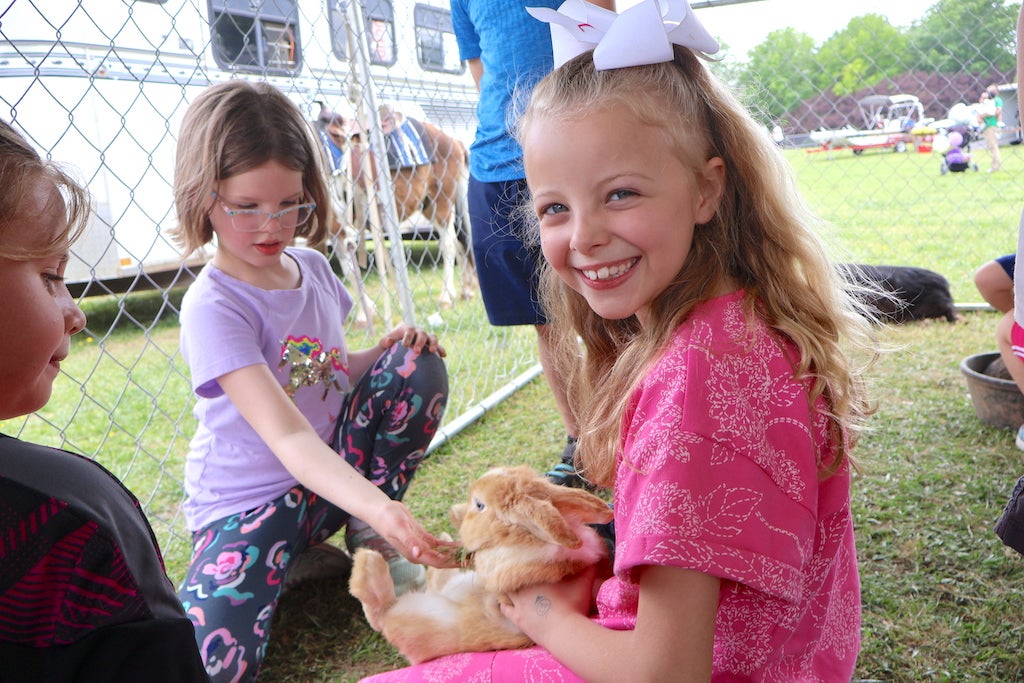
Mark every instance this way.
x=406 y=535
x=416 y=338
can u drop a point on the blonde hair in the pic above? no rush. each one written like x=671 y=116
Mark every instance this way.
x=21 y=172
x=761 y=238
x=234 y=127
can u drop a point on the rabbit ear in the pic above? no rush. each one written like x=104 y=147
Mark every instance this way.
x=540 y=517
x=578 y=504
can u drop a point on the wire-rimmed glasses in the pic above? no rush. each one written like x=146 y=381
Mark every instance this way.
x=254 y=220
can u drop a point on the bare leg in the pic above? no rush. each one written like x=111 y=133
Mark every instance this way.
x=1013 y=362
x=449 y=253
x=995 y=287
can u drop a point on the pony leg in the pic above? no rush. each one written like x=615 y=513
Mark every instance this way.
x=449 y=245
x=346 y=242
x=467 y=263
x=364 y=170
x=381 y=258
x=366 y=311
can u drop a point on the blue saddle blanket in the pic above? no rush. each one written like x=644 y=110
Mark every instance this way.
x=405 y=146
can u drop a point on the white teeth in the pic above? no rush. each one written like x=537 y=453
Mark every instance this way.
x=606 y=273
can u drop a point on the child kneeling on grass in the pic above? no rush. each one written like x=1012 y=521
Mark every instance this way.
x=299 y=435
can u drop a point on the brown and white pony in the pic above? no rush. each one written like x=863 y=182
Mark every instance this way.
x=436 y=188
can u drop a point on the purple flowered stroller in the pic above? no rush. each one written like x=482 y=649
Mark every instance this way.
x=957 y=158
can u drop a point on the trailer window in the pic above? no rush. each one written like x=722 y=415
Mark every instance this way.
x=379 y=25
x=255 y=37
x=435 y=40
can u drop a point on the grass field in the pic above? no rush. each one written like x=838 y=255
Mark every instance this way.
x=897 y=209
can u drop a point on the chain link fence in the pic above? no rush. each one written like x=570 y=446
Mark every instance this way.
x=103 y=85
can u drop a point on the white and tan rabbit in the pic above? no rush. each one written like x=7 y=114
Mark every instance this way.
x=518 y=529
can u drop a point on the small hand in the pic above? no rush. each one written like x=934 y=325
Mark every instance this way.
x=399 y=528
x=416 y=338
x=530 y=607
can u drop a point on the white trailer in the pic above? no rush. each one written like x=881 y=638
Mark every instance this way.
x=103 y=84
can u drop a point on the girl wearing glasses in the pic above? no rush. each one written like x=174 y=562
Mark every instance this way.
x=280 y=395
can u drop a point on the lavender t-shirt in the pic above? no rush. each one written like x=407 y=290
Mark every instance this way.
x=227 y=324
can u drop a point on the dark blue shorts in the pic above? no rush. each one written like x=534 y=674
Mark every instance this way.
x=1007 y=263
x=506 y=268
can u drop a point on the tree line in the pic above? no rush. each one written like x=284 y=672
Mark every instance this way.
x=969 y=42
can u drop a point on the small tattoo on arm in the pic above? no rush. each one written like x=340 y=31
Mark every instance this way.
x=542 y=605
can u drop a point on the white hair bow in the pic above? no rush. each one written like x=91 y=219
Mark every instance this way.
x=642 y=34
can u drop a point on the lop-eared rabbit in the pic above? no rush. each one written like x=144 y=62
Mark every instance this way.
x=517 y=529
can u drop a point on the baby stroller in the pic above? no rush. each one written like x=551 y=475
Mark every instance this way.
x=957 y=158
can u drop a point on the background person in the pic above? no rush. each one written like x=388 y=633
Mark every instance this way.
x=1010 y=335
x=507 y=52
x=991 y=117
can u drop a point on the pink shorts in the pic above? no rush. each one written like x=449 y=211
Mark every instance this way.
x=1017 y=340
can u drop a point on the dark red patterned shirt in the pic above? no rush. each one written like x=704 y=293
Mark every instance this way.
x=83 y=590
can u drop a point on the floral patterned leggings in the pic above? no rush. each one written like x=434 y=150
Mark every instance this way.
x=239 y=563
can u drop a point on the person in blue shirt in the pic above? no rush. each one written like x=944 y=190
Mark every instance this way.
x=507 y=52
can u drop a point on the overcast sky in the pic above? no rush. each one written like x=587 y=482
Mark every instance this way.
x=745 y=25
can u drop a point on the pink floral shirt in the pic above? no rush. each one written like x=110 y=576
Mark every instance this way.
x=719 y=473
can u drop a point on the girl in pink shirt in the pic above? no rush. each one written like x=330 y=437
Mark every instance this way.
x=716 y=395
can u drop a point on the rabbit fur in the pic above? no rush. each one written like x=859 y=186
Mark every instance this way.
x=518 y=529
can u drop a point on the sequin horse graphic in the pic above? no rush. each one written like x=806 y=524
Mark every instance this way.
x=311 y=365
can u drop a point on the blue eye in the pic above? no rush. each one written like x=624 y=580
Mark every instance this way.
x=479 y=505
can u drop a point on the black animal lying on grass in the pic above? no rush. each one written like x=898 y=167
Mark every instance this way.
x=906 y=293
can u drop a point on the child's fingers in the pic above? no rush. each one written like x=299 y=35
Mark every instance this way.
x=417 y=338
x=416 y=544
x=437 y=557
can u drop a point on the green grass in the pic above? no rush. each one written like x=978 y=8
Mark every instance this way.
x=896 y=209
x=942 y=596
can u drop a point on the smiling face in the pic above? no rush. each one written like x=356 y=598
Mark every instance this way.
x=617 y=207
x=255 y=257
x=37 y=313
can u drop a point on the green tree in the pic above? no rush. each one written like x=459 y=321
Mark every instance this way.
x=726 y=67
x=867 y=51
x=975 y=36
x=778 y=73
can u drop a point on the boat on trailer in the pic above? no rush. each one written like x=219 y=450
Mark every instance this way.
x=887 y=124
